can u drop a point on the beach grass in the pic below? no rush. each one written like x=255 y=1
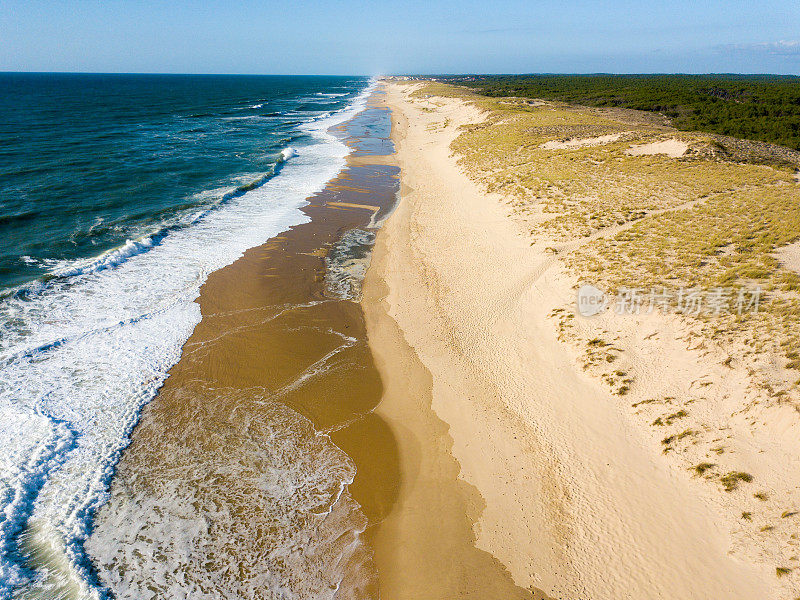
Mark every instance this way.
x=703 y=220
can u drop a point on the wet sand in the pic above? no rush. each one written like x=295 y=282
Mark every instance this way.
x=275 y=358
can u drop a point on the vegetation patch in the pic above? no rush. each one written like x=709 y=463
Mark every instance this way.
x=701 y=468
x=757 y=107
x=730 y=480
x=635 y=219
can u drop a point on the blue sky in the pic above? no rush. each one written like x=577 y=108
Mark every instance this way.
x=419 y=36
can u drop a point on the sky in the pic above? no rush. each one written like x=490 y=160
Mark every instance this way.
x=351 y=37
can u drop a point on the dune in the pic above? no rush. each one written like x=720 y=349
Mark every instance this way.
x=564 y=489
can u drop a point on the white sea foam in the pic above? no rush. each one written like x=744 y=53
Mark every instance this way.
x=108 y=259
x=82 y=354
x=268 y=518
x=288 y=153
x=347 y=263
x=249 y=118
x=326 y=120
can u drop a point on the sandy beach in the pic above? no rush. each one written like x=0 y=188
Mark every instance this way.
x=521 y=473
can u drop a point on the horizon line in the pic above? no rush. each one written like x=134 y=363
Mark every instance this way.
x=442 y=74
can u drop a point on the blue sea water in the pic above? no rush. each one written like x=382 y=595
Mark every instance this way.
x=89 y=161
x=118 y=195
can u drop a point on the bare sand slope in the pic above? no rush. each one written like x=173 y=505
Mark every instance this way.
x=581 y=142
x=673 y=148
x=789 y=256
x=573 y=499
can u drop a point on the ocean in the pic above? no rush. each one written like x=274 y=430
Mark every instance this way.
x=119 y=194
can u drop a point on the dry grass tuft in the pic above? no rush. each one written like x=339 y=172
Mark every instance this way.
x=730 y=481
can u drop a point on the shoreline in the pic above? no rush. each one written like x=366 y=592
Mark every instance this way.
x=252 y=453
x=570 y=496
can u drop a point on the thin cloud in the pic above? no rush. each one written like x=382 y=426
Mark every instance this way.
x=495 y=30
x=782 y=48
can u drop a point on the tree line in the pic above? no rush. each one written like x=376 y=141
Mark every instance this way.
x=756 y=107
